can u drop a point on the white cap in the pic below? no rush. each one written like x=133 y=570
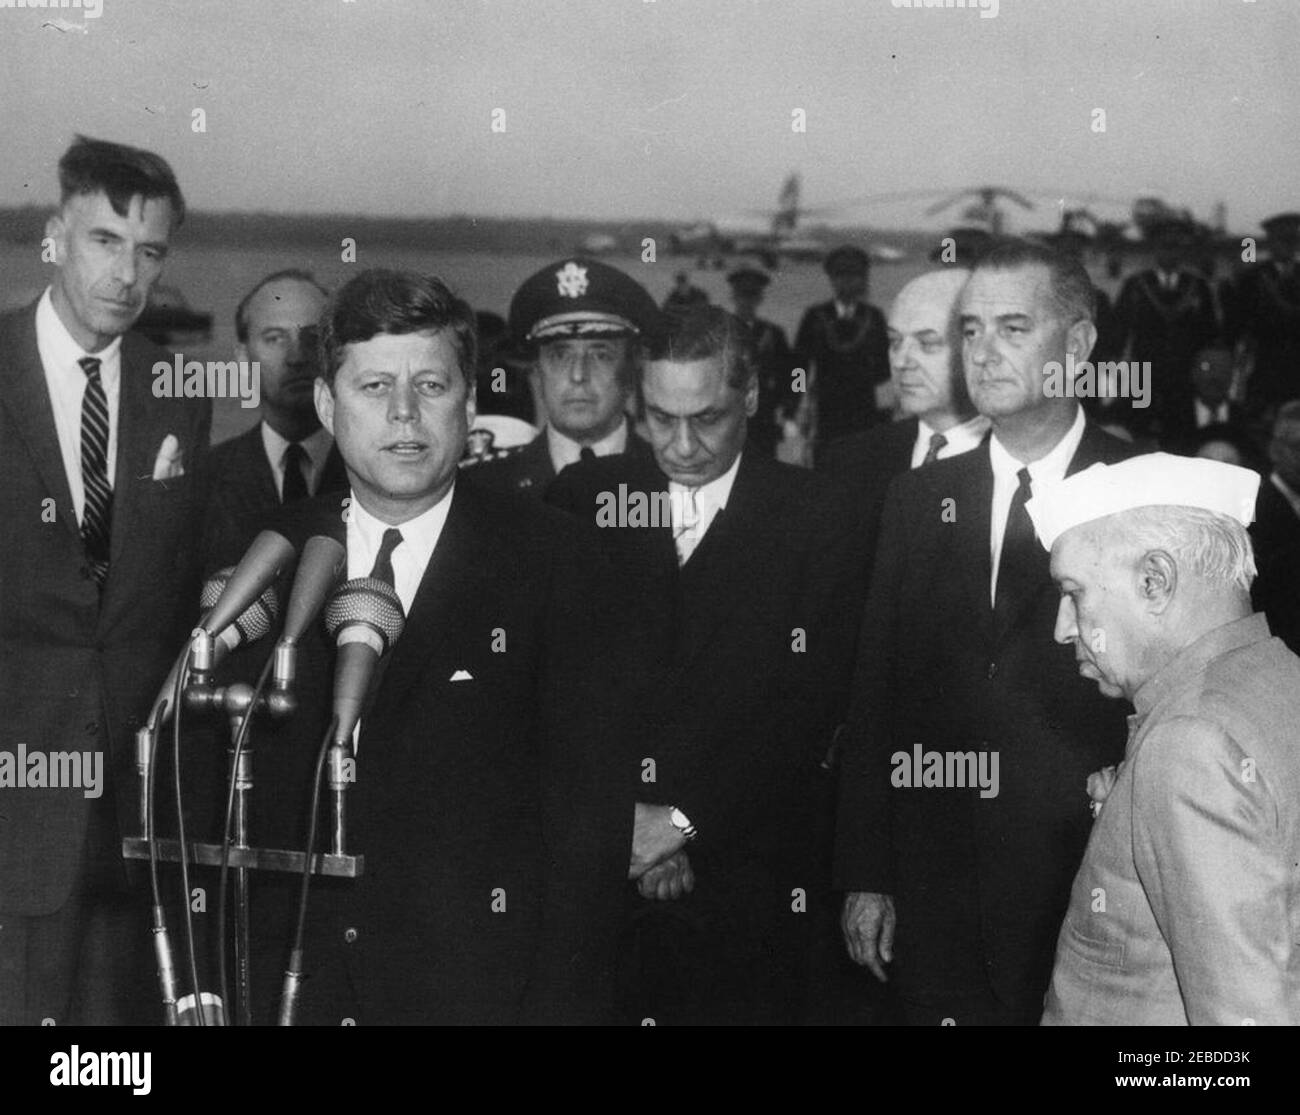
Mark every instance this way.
x=1151 y=480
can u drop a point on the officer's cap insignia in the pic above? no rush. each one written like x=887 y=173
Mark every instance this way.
x=571 y=280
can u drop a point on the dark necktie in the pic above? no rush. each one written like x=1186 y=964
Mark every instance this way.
x=1019 y=549
x=586 y=453
x=97 y=517
x=295 y=478
x=383 y=570
x=937 y=442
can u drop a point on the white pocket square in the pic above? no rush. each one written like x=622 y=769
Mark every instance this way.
x=461 y=675
x=168 y=465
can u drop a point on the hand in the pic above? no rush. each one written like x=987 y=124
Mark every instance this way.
x=670 y=880
x=868 y=924
x=654 y=838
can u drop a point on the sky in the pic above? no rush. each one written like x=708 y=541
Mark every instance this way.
x=677 y=109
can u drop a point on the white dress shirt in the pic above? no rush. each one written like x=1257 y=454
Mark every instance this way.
x=1006 y=480
x=710 y=498
x=420 y=535
x=66 y=383
x=565 y=451
x=317 y=447
x=961 y=439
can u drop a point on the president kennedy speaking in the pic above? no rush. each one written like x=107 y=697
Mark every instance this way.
x=485 y=802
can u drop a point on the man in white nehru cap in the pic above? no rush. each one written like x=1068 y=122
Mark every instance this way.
x=1185 y=908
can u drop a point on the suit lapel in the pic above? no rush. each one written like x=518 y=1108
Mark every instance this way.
x=460 y=561
x=720 y=577
x=1088 y=453
x=26 y=395
x=974 y=530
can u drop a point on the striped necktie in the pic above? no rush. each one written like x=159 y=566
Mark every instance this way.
x=97 y=516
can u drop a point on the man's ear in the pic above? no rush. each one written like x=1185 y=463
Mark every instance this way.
x=751 y=397
x=1080 y=339
x=1157 y=580
x=471 y=401
x=56 y=229
x=324 y=396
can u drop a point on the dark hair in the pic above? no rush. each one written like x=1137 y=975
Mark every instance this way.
x=241 y=311
x=702 y=333
x=396 y=302
x=92 y=166
x=1072 y=292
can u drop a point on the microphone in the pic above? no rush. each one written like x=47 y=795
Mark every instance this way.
x=364 y=618
x=322 y=563
x=252 y=624
x=259 y=567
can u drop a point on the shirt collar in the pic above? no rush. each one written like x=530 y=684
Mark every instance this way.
x=965 y=435
x=565 y=451
x=58 y=344
x=316 y=445
x=421 y=534
x=1049 y=467
x=1186 y=666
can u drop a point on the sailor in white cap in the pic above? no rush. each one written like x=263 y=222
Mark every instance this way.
x=1185 y=906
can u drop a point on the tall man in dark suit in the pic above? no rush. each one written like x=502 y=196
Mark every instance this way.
x=961 y=818
x=583 y=317
x=1276 y=530
x=842 y=344
x=742 y=606
x=1263 y=315
x=1166 y=315
x=940 y=422
x=98 y=582
x=288 y=455
x=489 y=803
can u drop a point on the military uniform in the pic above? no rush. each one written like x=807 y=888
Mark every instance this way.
x=574 y=298
x=775 y=360
x=847 y=349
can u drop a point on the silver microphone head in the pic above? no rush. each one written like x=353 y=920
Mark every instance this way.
x=367 y=602
x=256 y=620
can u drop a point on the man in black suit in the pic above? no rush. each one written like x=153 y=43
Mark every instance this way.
x=741 y=598
x=99 y=574
x=1263 y=315
x=1276 y=530
x=776 y=400
x=962 y=813
x=583 y=318
x=940 y=422
x=288 y=455
x=842 y=344
x=1166 y=315
x=489 y=804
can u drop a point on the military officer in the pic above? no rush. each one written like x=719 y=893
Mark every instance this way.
x=771 y=350
x=582 y=318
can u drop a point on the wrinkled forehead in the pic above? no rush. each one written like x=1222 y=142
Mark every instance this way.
x=1086 y=551
x=95 y=208
x=995 y=292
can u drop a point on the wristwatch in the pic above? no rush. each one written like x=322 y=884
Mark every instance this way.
x=682 y=823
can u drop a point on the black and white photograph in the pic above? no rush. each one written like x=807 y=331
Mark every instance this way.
x=651 y=514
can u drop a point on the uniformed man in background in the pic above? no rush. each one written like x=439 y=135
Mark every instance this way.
x=582 y=318
x=772 y=351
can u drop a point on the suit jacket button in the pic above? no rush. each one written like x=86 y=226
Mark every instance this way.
x=993 y=669
x=349 y=935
